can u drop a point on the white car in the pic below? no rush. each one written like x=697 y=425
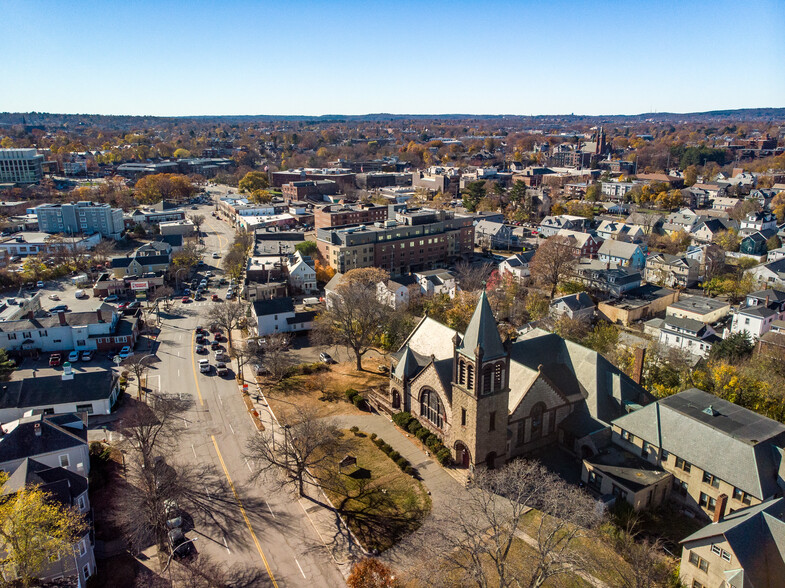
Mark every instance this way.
x=125 y=352
x=216 y=255
x=204 y=365
x=73 y=356
x=208 y=274
x=229 y=294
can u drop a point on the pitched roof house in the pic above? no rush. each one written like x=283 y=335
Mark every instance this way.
x=620 y=253
x=671 y=270
x=517 y=264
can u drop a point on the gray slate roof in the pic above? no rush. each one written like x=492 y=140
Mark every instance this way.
x=64 y=485
x=42 y=391
x=757 y=537
x=58 y=432
x=619 y=249
x=574 y=302
x=734 y=444
x=482 y=333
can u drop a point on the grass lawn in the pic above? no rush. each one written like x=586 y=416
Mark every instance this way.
x=379 y=502
x=322 y=391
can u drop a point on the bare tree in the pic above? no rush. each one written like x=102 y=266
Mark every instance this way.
x=272 y=353
x=472 y=276
x=164 y=294
x=198 y=221
x=476 y=542
x=154 y=425
x=228 y=316
x=138 y=364
x=554 y=261
x=307 y=443
x=103 y=251
x=713 y=261
x=356 y=318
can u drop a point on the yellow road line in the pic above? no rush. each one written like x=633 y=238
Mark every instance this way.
x=193 y=363
x=242 y=510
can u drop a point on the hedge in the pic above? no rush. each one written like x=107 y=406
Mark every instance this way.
x=422 y=433
x=431 y=440
x=373 y=436
x=414 y=426
x=386 y=448
x=359 y=401
x=402 y=462
x=402 y=419
x=355 y=429
x=410 y=470
x=444 y=456
x=394 y=455
x=350 y=394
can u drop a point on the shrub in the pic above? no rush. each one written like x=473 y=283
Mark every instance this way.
x=373 y=436
x=422 y=433
x=437 y=448
x=350 y=394
x=414 y=426
x=394 y=455
x=431 y=440
x=402 y=462
x=386 y=448
x=410 y=470
x=402 y=419
x=378 y=442
x=355 y=429
x=444 y=456
x=359 y=401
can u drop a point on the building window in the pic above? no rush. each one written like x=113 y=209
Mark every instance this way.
x=461 y=373
x=664 y=455
x=712 y=480
x=741 y=496
x=470 y=376
x=521 y=432
x=627 y=436
x=680 y=487
x=492 y=421
x=645 y=449
x=707 y=502
x=81 y=503
x=538 y=410
x=683 y=465
x=696 y=584
x=463 y=417
x=619 y=492
x=64 y=463
x=699 y=562
x=82 y=547
x=431 y=407
x=498 y=376
x=595 y=480
x=86 y=571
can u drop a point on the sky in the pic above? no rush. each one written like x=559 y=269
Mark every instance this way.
x=290 y=57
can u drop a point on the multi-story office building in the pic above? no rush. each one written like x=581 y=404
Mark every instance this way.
x=80 y=217
x=21 y=166
x=341 y=215
x=416 y=240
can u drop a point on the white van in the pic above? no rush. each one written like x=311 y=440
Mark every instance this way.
x=80 y=294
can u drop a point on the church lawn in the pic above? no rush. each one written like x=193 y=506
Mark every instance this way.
x=379 y=502
x=323 y=392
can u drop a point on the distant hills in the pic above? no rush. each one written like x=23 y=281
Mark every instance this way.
x=71 y=120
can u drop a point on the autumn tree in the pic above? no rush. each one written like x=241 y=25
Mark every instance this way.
x=182 y=153
x=7 y=365
x=356 y=318
x=253 y=181
x=156 y=187
x=35 y=529
x=554 y=261
x=371 y=573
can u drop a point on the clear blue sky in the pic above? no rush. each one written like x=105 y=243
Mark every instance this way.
x=294 y=57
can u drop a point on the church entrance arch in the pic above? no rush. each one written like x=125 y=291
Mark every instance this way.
x=462 y=456
x=490 y=460
x=396 y=399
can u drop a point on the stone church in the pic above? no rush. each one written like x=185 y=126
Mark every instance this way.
x=491 y=400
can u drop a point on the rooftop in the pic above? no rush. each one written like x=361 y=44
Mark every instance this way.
x=699 y=304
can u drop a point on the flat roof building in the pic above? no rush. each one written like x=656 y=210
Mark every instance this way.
x=21 y=166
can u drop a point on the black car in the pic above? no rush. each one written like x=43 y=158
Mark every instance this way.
x=132 y=307
x=180 y=548
x=59 y=308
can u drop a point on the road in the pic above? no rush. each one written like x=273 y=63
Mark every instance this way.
x=243 y=524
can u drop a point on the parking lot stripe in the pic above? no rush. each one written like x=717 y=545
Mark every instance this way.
x=242 y=510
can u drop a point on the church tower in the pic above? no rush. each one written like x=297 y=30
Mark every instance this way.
x=480 y=392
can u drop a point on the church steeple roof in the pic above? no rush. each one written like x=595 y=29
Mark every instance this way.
x=482 y=333
x=407 y=365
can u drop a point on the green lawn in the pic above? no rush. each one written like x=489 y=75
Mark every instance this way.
x=379 y=502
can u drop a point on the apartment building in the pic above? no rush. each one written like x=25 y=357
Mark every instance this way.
x=21 y=166
x=416 y=240
x=671 y=270
x=722 y=456
x=81 y=217
x=341 y=215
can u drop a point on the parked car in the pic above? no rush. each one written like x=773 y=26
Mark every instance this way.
x=39 y=284
x=181 y=547
x=260 y=370
x=216 y=255
x=204 y=366
x=126 y=352
x=214 y=298
x=132 y=307
x=229 y=294
x=326 y=358
x=59 y=308
x=73 y=356
x=215 y=345
x=55 y=359
x=217 y=336
x=112 y=298
x=87 y=355
x=221 y=369
x=200 y=348
x=185 y=300
x=222 y=281
x=79 y=294
x=208 y=274
x=220 y=355
x=54 y=297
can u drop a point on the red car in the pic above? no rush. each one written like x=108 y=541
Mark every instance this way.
x=217 y=337
x=185 y=299
x=214 y=298
x=55 y=359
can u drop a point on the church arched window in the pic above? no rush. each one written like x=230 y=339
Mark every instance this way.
x=431 y=407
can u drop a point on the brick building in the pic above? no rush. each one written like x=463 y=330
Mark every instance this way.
x=305 y=188
x=340 y=215
x=416 y=240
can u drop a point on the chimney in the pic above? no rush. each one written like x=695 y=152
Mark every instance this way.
x=767 y=300
x=637 y=367
x=61 y=316
x=719 y=510
x=37 y=429
x=31 y=315
x=98 y=314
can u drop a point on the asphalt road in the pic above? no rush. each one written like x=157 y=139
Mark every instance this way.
x=245 y=525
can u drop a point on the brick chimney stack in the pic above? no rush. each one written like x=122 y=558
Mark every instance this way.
x=61 y=316
x=719 y=511
x=637 y=367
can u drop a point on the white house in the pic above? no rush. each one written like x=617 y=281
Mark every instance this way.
x=394 y=292
x=302 y=275
x=610 y=229
x=769 y=274
x=758 y=312
x=690 y=335
x=576 y=306
x=437 y=281
x=278 y=316
x=517 y=265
